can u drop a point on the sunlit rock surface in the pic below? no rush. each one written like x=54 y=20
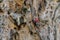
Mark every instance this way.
x=29 y=20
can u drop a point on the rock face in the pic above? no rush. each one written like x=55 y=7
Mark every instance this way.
x=29 y=20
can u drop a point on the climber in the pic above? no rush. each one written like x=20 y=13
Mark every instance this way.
x=13 y=33
x=22 y=22
x=39 y=8
x=25 y=2
x=36 y=22
x=16 y=34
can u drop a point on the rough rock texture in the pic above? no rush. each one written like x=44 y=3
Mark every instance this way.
x=29 y=20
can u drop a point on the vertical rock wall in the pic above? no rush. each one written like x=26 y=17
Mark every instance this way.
x=29 y=20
